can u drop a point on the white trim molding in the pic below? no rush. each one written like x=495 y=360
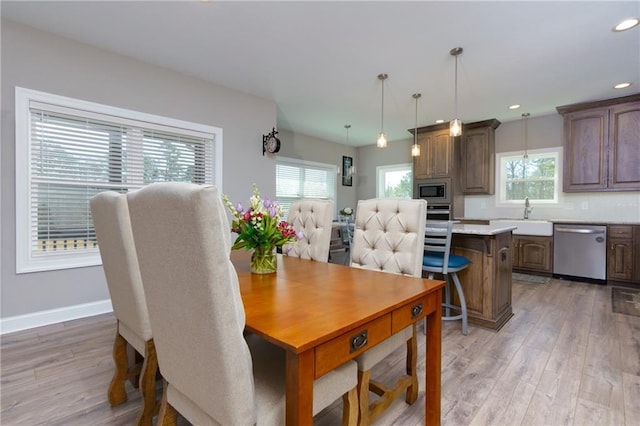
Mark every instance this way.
x=54 y=316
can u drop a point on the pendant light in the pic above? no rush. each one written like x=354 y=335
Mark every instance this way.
x=455 y=125
x=525 y=119
x=351 y=171
x=382 y=138
x=415 y=148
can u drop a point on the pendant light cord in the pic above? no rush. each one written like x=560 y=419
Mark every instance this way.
x=382 y=110
x=415 y=129
x=455 y=91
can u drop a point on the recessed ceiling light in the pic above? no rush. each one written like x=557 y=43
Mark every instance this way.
x=515 y=106
x=622 y=85
x=439 y=121
x=626 y=24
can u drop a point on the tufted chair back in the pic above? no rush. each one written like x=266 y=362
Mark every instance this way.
x=315 y=219
x=389 y=235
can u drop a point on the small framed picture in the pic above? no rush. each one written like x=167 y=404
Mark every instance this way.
x=347 y=178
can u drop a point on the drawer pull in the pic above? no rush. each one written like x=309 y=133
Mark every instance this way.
x=359 y=341
x=416 y=310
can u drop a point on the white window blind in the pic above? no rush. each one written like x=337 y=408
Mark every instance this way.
x=74 y=153
x=297 y=180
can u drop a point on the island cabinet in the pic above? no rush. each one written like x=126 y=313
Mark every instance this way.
x=532 y=253
x=486 y=282
x=601 y=149
x=623 y=253
x=477 y=157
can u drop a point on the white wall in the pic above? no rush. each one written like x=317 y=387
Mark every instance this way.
x=370 y=157
x=40 y=61
x=545 y=132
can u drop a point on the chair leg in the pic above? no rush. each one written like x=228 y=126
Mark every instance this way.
x=412 y=368
x=364 y=377
x=447 y=296
x=117 y=393
x=463 y=302
x=350 y=408
x=135 y=367
x=148 y=385
x=167 y=416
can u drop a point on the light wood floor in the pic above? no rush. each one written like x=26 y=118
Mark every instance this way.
x=563 y=359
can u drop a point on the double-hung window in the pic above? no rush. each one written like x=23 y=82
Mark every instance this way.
x=69 y=150
x=299 y=180
x=536 y=177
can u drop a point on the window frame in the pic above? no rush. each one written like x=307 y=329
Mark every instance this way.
x=25 y=261
x=501 y=180
x=293 y=162
x=380 y=176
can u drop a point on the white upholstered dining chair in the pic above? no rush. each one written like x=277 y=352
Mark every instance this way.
x=113 y=229
x=315 y=219
x=214 y=375
x=388 y=237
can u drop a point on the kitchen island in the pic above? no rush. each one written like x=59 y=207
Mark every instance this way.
x=487 y=281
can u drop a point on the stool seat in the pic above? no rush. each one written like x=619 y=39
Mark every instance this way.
x=436 y=260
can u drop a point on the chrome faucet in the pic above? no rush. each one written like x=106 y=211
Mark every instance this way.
x=527 y=208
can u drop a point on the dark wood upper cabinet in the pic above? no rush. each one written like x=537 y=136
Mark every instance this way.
x=436 y=153
x=477 y=157
x=624 y=155
x=602 y=145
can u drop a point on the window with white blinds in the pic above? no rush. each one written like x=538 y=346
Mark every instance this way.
x=68 y=150
x=297 y=180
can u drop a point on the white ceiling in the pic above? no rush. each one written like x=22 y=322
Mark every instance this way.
x=319 y=61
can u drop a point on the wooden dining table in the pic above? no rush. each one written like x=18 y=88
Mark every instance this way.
x=325 y=314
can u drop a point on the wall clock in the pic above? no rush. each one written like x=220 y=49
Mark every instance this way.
x=270 y=143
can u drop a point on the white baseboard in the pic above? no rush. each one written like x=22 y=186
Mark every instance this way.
x=54 y=316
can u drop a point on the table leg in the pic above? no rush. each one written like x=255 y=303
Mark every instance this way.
x=300 y=376
x=433 y=364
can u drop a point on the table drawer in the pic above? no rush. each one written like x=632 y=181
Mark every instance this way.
x=343 y=348
x=408 y=314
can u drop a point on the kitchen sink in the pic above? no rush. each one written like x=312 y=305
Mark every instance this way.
x=527 y=226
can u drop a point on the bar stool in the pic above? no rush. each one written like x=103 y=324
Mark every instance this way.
x=438 y=259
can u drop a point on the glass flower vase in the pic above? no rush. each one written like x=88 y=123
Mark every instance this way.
x=264 y=260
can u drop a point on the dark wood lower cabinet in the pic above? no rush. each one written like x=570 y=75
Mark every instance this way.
x=623 y=254
x=532 y=253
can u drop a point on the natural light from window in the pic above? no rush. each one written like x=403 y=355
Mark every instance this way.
x=70 y=150
x=535 y=177
x=394 y=181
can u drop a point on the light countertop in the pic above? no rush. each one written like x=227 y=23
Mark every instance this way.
x=611 y=221
x=468 y=229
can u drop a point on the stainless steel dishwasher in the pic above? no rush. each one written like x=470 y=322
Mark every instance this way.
x=580 y=251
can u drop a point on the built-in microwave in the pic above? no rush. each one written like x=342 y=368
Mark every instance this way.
x=433 y=190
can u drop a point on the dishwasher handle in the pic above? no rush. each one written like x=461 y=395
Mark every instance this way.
x=579 y=230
